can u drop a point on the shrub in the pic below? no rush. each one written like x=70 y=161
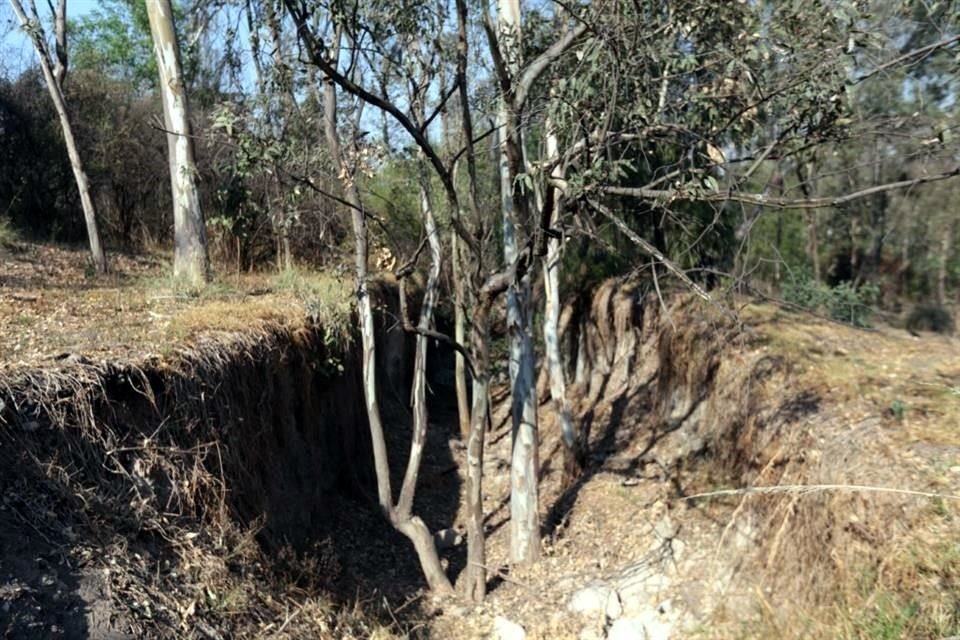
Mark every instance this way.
x=930 y=317
x=845 y=302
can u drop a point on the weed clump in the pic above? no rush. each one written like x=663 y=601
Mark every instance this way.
x=930 y=317
x=845 y=302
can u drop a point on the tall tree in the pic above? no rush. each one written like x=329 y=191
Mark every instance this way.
x=514 y=203
x=54 y=73
x=190 y=260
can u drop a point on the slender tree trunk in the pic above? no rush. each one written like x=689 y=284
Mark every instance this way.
x=946 y=241
x=413 y=527
x=400 y=516
x=54 y=74
x=813 y=243
x=805 y=178
x=190 y=262
x=854 y=243
x=460 y=335
x=476 y=579
x=364 y=308
x=524 y=468
x=573 y=448
x=459 y=317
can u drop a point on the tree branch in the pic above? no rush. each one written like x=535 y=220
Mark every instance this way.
x=537 y=66
x=318 y=56
x=762 y=200
x=649 y=248
x=916 y=53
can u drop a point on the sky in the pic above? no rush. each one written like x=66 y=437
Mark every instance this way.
x=15 y=51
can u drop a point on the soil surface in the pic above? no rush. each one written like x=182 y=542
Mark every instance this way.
x=834 y=406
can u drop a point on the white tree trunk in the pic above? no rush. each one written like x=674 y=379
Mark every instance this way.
x=524 y=468
x=943 y=261
x=53 y=74
x=551 y=333
x=400 y=515
x=190 y=261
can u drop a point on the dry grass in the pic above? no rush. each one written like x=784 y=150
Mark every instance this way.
x=862 y=564
x=50 y=305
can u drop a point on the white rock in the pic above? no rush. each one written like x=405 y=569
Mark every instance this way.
x=597 y=599
x=627 y=629
x=505 y=629
x=648 y=626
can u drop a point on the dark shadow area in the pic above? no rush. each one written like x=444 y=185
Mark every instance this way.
x=40 y=590
x=126 y=471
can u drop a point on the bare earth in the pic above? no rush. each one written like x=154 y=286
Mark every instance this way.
x=873 y=408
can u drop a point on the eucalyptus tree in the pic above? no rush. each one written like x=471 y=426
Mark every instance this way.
x=191 y=262
x=54 y=68
x=524 y=464
x=664 y=121
x=340 y=56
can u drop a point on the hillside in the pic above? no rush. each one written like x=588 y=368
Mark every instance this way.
x=752 y=474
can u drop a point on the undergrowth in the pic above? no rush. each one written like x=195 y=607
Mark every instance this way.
x=8 y=235
x=845 y=302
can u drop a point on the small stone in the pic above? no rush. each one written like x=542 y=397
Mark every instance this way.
x=596 y=599
x=505 y=629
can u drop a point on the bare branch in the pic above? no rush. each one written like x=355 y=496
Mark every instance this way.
x=922 y=52
x=649 y=248
x=537 y=66
x=762 y=200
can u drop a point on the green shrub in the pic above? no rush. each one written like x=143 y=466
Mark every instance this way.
x=846 y=302
x=8 y=235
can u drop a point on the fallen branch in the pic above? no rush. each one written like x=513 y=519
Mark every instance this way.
x=818 y=488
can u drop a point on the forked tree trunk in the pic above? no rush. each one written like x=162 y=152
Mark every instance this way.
x=400 y=516
x=524 y=467
x=190 y=260
x=475 y=581
x=53 y=75
x=408 y=524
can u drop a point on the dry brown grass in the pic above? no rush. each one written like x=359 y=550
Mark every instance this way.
x=50 y=305
x=855 y=564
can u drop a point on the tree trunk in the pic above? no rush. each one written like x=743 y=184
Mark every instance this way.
x=476 y=578
x=53 y=75
x=460 y=335
x=400 y=516
x=524 y=468
x=190 y=261
x=573 y=448
x=813 y=243
x=946 y=241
